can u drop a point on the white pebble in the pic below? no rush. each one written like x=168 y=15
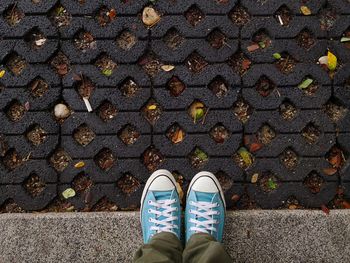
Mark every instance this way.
x=61 y=111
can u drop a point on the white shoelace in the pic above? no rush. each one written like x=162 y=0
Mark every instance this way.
x=204 y=210
x=166 y=224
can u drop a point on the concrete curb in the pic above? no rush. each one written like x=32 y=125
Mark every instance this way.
x=251 y=236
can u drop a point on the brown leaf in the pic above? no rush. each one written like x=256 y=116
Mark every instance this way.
x=246 y=64
x=253 y=47
x=178 y=136
x=325 y=209
x=305 y=10
x=329 y=171
x=255 y=147
x=246 y=140
x=112 y=14
x=235 y=198
x=345 y=204
x=335 y=160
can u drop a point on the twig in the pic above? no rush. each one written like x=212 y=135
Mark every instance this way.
x=87 y=104
x=205 y=116
x=280 y=19
x=225 y=43
x=27 y=157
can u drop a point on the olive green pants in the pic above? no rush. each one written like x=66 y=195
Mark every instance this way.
x=167 y=248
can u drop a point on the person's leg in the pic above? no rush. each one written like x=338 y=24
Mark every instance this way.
x=160 y=220
x=204 y=219
x=204 y=248
x=163 y=247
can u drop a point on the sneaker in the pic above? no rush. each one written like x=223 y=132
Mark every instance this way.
x=160 y=206
x=205 y=207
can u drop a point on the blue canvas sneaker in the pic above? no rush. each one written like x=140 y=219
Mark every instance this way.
x=160 y=206
x=205 y=207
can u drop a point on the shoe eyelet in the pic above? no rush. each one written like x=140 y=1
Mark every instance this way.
x=149 y=202
x=149 y=220
x=175 y=200
x=149 y=210
x=190 y=211
x=176 y=208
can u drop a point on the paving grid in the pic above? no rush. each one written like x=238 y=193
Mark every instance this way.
x=311 y=157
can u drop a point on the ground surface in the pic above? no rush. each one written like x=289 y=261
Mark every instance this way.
x=250 y=236
x=233 y=87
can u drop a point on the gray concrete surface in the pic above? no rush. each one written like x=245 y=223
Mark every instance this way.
x=251 y=236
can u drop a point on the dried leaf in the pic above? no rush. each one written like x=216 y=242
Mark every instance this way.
x=292 y=207
x=329 y=171
x=306 y=83
x=167 y=68
x=180 y=192
x=345 y=204
x=68 y=193
x=323 y=60
x=246 y=64
x=254 y=178
x=336 y=159
x=150 y=17
x=79 y=165
x=345 y=39
x=27 y=106
x=178 y=136
x=277 y=55
x=40 y=42
x=325 y=209
x=2 y=73
x=235 y=198
x=255 y=147
x=253 y=47
x=332 y=61
x=112 y=14
x=305 y=10
x=152 y=107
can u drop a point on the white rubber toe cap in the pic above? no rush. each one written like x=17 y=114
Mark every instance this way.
x=163 y=180
x=206 y=185
x=205 y=182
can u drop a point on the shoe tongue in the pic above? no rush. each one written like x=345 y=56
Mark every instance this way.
x=162 y=195
x=204 y=197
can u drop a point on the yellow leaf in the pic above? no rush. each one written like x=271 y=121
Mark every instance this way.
x=2 y=73
x=180 y=191
x=152 y=107
x=79 y=165
x=332 y=61
x=246 y=156
x=167 y=68
x=68 y=193
x=254 y=178
x=305 y=10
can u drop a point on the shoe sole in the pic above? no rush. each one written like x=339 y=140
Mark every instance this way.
x=150 y=180
x=211 y=176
